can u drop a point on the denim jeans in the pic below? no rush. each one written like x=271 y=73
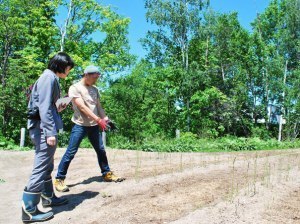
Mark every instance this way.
x=77 y=134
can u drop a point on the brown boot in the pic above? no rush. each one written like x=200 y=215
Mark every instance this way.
x=111 y=177
x=60 y=185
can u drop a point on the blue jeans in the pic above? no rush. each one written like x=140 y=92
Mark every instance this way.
x=77 y=134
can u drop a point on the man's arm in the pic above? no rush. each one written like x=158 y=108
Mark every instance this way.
x=101 y=111
x=78 y=101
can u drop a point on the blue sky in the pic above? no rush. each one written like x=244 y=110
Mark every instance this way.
x=134 y=9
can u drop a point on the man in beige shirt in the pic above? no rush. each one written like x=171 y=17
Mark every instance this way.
x=88 y=117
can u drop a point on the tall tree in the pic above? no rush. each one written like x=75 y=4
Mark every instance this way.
x=177 y=22
x=26 y=38
x=279 y=27
x=31 y=33
x=94 y=33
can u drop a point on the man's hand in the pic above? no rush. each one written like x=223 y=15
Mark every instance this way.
x=102 y=124
x=111 y=125
x=51 y=141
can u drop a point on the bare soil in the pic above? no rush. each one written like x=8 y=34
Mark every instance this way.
x=235 y=187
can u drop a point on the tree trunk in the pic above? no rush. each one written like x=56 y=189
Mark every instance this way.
x=295 y=131
x=282 y=108
x=267 y=99
x=63 y=29
x=4 y=64
x=223 y=74
x=188 y=114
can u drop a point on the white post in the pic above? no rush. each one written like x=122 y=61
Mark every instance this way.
x=104 y=138
x=22 y=140
x=177 y=133
x=280 y=128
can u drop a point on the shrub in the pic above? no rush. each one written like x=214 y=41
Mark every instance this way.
x=190 y=143
x=9 y=144
x=63 y=140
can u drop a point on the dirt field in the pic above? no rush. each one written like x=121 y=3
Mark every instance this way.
x=246 y=187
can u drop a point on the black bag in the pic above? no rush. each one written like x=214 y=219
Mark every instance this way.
x=33 y=113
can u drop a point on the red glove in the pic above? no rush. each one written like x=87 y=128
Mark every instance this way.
x=102 y=124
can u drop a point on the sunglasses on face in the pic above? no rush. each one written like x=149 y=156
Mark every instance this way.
x=94 y=73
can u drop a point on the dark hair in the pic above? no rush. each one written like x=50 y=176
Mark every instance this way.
x=59 y=62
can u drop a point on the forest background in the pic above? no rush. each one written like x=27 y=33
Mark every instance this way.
x=223 y=87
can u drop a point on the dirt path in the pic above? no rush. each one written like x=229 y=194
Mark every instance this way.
x=246 y=187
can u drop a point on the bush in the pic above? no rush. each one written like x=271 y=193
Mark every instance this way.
x=190 y=143
x=260 y=132
x=9 y=144
x=63 y=140
x=118 y=141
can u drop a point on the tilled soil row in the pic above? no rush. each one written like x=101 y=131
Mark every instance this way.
x=171 y=195
x=160 y=187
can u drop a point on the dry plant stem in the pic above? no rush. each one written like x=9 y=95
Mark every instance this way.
x=137 y=166
x=232 y=181
x=181 y=164
x=255 y=174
